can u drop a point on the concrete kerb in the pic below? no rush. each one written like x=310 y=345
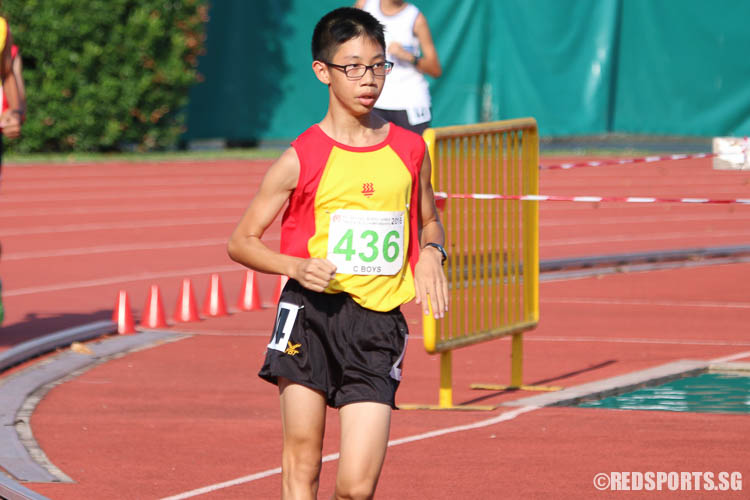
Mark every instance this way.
x=615 y=385
x=20 y=456
x=11 y=490
x=599 y=265
x=36 y=347
x=651 y=257
x=735 y=368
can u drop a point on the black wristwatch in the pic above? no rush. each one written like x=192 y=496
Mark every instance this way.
x=440 y=249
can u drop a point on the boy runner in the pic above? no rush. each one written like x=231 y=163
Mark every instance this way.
x=360 y=237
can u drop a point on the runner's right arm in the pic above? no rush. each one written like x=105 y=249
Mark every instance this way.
x=245 y=245
x=10 y=120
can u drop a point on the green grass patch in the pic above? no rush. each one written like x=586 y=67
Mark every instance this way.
x=250 y=154
x=166 y=156
x=618 y=147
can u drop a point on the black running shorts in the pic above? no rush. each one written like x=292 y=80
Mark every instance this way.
x=331 y=344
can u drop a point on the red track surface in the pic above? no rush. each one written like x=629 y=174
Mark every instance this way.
x=192 y=413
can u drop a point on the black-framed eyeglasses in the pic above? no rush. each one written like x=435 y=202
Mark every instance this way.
x=357 y=71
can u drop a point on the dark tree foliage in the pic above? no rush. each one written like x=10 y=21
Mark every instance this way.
x=106 y=74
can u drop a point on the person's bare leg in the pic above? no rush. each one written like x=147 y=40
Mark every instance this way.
x=303 y=418
x=364 y=439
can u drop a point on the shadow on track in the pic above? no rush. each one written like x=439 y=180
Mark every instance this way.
x=37 y=325
x=541 y=382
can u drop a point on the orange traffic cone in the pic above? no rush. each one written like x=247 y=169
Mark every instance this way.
x=153 y=312
x=122 y=315
x=214 y=304
x=249 y=296
x=187 y=308
x=279 y=288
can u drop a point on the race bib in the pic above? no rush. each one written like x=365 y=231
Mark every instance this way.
x=282 y=329
x=366 y=242
x=418 y=115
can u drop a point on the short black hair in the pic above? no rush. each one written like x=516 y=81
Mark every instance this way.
x=341 y=25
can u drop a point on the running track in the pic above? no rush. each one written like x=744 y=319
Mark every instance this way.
x=192 y=413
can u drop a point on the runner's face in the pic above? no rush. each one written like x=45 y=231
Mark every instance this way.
x=358 y=95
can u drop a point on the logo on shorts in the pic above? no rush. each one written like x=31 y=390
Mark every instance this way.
x=292 y=349
x=368 y=189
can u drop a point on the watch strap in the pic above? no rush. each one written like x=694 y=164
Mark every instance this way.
x=440 y=249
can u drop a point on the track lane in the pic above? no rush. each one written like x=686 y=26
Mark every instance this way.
x=591 y=329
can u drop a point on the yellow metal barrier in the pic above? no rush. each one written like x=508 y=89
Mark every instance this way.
x=493 y=245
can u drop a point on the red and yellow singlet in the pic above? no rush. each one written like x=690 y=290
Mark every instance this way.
x=358 y=207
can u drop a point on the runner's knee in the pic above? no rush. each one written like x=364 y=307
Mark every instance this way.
x=355 y=489
x=300 y=463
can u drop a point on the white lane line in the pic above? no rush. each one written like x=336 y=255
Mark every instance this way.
x=645 y=302
x=129 y=182
x=227 y=333
x=119 y=279
x=645 y=219
x=503 y=417
x=527 y=338
x=234 y=482
x=126 y=247
x=731 y=357
x=131 y=195
x=106 y=226
x=544 y=222
x=145 y=169
x=120 y=209
x=581 y=274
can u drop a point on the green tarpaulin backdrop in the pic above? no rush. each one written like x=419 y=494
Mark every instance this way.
x=678 y=67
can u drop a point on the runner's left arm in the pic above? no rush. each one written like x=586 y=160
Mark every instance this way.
x=429 y=278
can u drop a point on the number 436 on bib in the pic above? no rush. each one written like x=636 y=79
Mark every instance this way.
x=366 y=242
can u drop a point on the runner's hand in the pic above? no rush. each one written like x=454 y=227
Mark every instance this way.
x=315 y=274
x=400 y=52
x=430 y=282
x=10 y=123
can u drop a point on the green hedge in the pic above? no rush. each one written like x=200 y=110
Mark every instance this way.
x=103 y=75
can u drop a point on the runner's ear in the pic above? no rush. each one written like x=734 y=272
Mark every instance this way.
x=321 y=72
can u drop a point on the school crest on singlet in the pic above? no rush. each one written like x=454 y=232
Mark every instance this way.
x=352 y=206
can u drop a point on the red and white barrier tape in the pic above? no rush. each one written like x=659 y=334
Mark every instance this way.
x=441 y=196
x=626 y=161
